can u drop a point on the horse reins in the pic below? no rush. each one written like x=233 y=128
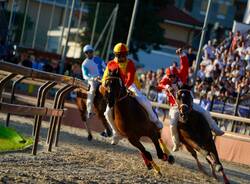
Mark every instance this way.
x=179 y=106
x=120 y=98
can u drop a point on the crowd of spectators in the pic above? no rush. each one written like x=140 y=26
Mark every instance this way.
x=224 y=73
x=225 y=68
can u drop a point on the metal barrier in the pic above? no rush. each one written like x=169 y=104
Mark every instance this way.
x=48 y=81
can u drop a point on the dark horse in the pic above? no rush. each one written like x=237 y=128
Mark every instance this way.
x=195 y=133
x=132 y=121
x=100 y=104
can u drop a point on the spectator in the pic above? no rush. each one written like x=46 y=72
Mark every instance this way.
x=191 y=57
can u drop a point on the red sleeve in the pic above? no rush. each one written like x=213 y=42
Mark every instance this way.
x=130 y=76
x=164 y=81
x=183 y=71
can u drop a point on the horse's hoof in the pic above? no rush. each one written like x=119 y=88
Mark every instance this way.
x=109 y=133
x=171 y=159
x=149 y=166
x=90 y=137
x=104 y=134
x=218 y=168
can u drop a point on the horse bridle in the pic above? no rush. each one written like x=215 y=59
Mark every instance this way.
x=180 y=106
x=120 y=80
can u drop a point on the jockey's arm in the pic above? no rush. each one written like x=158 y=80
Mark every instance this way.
x=85 y=73
x=105 y=74
x=162 y=84
x=183 y=71
x=130 y=75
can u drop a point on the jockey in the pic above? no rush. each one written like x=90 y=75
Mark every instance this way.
x=92 y=70
x=171 y=82
x=129 y=77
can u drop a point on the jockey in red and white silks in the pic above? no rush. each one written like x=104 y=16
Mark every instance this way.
x=129 y=78
x=171 y=82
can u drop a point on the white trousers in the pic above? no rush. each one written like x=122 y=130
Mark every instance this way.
x=110 y=119
x=144 y=102
x=91 y=94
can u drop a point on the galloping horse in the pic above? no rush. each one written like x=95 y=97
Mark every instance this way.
x=195 y=133
x=100 y=104
x=132 y=121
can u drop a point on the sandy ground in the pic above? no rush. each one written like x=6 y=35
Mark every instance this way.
x=77 y=160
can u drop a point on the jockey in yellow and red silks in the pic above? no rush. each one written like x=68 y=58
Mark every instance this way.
x=129 y=78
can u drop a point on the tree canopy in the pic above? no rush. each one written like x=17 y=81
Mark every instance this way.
x=147 y=33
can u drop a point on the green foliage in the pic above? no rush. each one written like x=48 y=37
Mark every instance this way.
x=147 y=33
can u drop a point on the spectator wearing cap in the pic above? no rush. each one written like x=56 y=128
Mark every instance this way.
x=92 y=70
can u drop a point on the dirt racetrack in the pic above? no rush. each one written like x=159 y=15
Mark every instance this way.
x=77 y=160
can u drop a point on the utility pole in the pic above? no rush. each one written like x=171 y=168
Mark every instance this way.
x=24 y=21
x=67 y=39
x=37 y=22
x=132 y=22
x=94 y=25
x=198 y=58
x=9 y=34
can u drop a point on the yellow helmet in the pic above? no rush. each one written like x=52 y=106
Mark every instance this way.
x=120 y=48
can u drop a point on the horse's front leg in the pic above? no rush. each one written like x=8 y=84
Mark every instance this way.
x=212 y=168
x=148 y=160
x=83 y=109
x=193 y=153
x=161 y=148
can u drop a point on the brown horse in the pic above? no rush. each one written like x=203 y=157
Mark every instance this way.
x=195 y=133
x=100 y=104
x=132 y=121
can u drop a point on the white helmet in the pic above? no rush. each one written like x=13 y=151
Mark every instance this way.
x=87 y=48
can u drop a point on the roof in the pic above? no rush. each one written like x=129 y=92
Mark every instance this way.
x=174 y=14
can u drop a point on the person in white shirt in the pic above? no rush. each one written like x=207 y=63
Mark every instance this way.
x=92 y=70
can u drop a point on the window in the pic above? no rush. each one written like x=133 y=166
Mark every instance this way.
x=189 y=5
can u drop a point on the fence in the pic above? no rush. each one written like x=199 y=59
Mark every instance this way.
x=239 y=106
x=65 y=84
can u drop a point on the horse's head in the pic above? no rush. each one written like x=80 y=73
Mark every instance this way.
x=114 y=85
x=184 y=101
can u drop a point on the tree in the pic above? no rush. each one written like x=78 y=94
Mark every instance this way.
x=147 y=33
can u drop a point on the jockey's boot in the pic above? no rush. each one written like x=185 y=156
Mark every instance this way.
x=215 y=128
x=217 y=131
x=175 y=138
x=115 y=139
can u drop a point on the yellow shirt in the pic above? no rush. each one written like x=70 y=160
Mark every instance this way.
x=123 y=67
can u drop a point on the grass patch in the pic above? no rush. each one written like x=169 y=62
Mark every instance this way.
x=10 y=140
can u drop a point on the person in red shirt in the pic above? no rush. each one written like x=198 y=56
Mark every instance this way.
x=171 y=82
x=129 y=78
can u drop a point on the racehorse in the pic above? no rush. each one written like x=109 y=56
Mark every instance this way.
x=100 y=104
x=195 y=133
x=132 y=121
